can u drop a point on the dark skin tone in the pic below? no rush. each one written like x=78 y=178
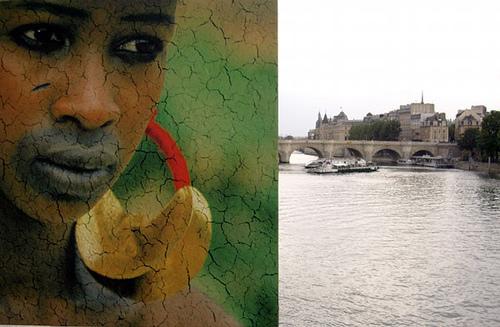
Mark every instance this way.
x=78 y=83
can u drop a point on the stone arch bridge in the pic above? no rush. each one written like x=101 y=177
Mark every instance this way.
x=367 y=150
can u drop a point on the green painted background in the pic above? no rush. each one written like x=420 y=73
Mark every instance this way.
x=220 y=104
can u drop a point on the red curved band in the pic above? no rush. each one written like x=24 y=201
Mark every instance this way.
x=172 y=153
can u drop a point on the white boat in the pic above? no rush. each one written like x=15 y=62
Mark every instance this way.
x=316 y=163
x=434 y=162
x=343 y=166
x=325 y=167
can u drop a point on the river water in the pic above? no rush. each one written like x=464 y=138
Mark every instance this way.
x=398 y=247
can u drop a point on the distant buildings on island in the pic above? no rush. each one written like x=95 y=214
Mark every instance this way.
x=469 y=119
x=418 y=122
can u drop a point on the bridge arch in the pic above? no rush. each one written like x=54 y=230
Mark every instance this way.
x=352 y=151
x=422 y=152
x=386 y=155
x=301 y=148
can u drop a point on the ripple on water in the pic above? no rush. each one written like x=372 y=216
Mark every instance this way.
x=394 y=248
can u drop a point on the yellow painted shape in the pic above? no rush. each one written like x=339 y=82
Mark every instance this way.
x=164 y=253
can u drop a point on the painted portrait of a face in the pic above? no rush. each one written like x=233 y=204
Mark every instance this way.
x=92 y=119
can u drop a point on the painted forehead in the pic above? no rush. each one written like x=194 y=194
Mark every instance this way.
x=164 y=10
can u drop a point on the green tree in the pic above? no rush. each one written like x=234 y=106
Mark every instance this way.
x=380 y=130
x=357 y=132
x=489 y=140
x=469 y=141
x=393 y=129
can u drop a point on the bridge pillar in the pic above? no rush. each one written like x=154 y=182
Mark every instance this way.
x=443 y=151
x=328 y=151
x=406 y=151
x=285 y=151
x=284 y=157
x=368 y=152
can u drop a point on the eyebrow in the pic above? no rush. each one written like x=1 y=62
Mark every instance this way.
x=150 y=18
x=52 y=8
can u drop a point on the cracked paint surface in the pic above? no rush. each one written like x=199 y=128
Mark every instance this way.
x=79 y=82
x=220 y=100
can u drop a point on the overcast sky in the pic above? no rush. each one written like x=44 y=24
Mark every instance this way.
x=373 y=55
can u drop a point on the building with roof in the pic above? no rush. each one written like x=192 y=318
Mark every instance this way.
x=411 y=118
x=469 y=119
x=435 y=129
x=336 y=128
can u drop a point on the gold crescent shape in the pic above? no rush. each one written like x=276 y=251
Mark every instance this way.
x=163 y=253
x=185 y=260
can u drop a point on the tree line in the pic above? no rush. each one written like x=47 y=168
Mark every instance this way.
x=483 y=144
x=379 y=130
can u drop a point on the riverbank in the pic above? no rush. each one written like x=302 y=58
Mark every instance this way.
x=480 y=167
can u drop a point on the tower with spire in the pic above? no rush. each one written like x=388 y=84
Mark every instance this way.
x=325 y=119
x=421 y=107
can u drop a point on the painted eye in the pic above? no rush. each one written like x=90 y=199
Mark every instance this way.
x=44 y=38
x=140 y=46
x=138 y=49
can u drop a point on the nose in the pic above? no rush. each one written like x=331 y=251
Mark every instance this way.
x=87 y=102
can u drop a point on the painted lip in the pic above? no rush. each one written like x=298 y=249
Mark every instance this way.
x=74 y=174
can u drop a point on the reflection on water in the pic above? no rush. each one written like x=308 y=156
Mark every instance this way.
x=397 y=247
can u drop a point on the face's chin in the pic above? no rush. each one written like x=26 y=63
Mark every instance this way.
x=52 y=212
